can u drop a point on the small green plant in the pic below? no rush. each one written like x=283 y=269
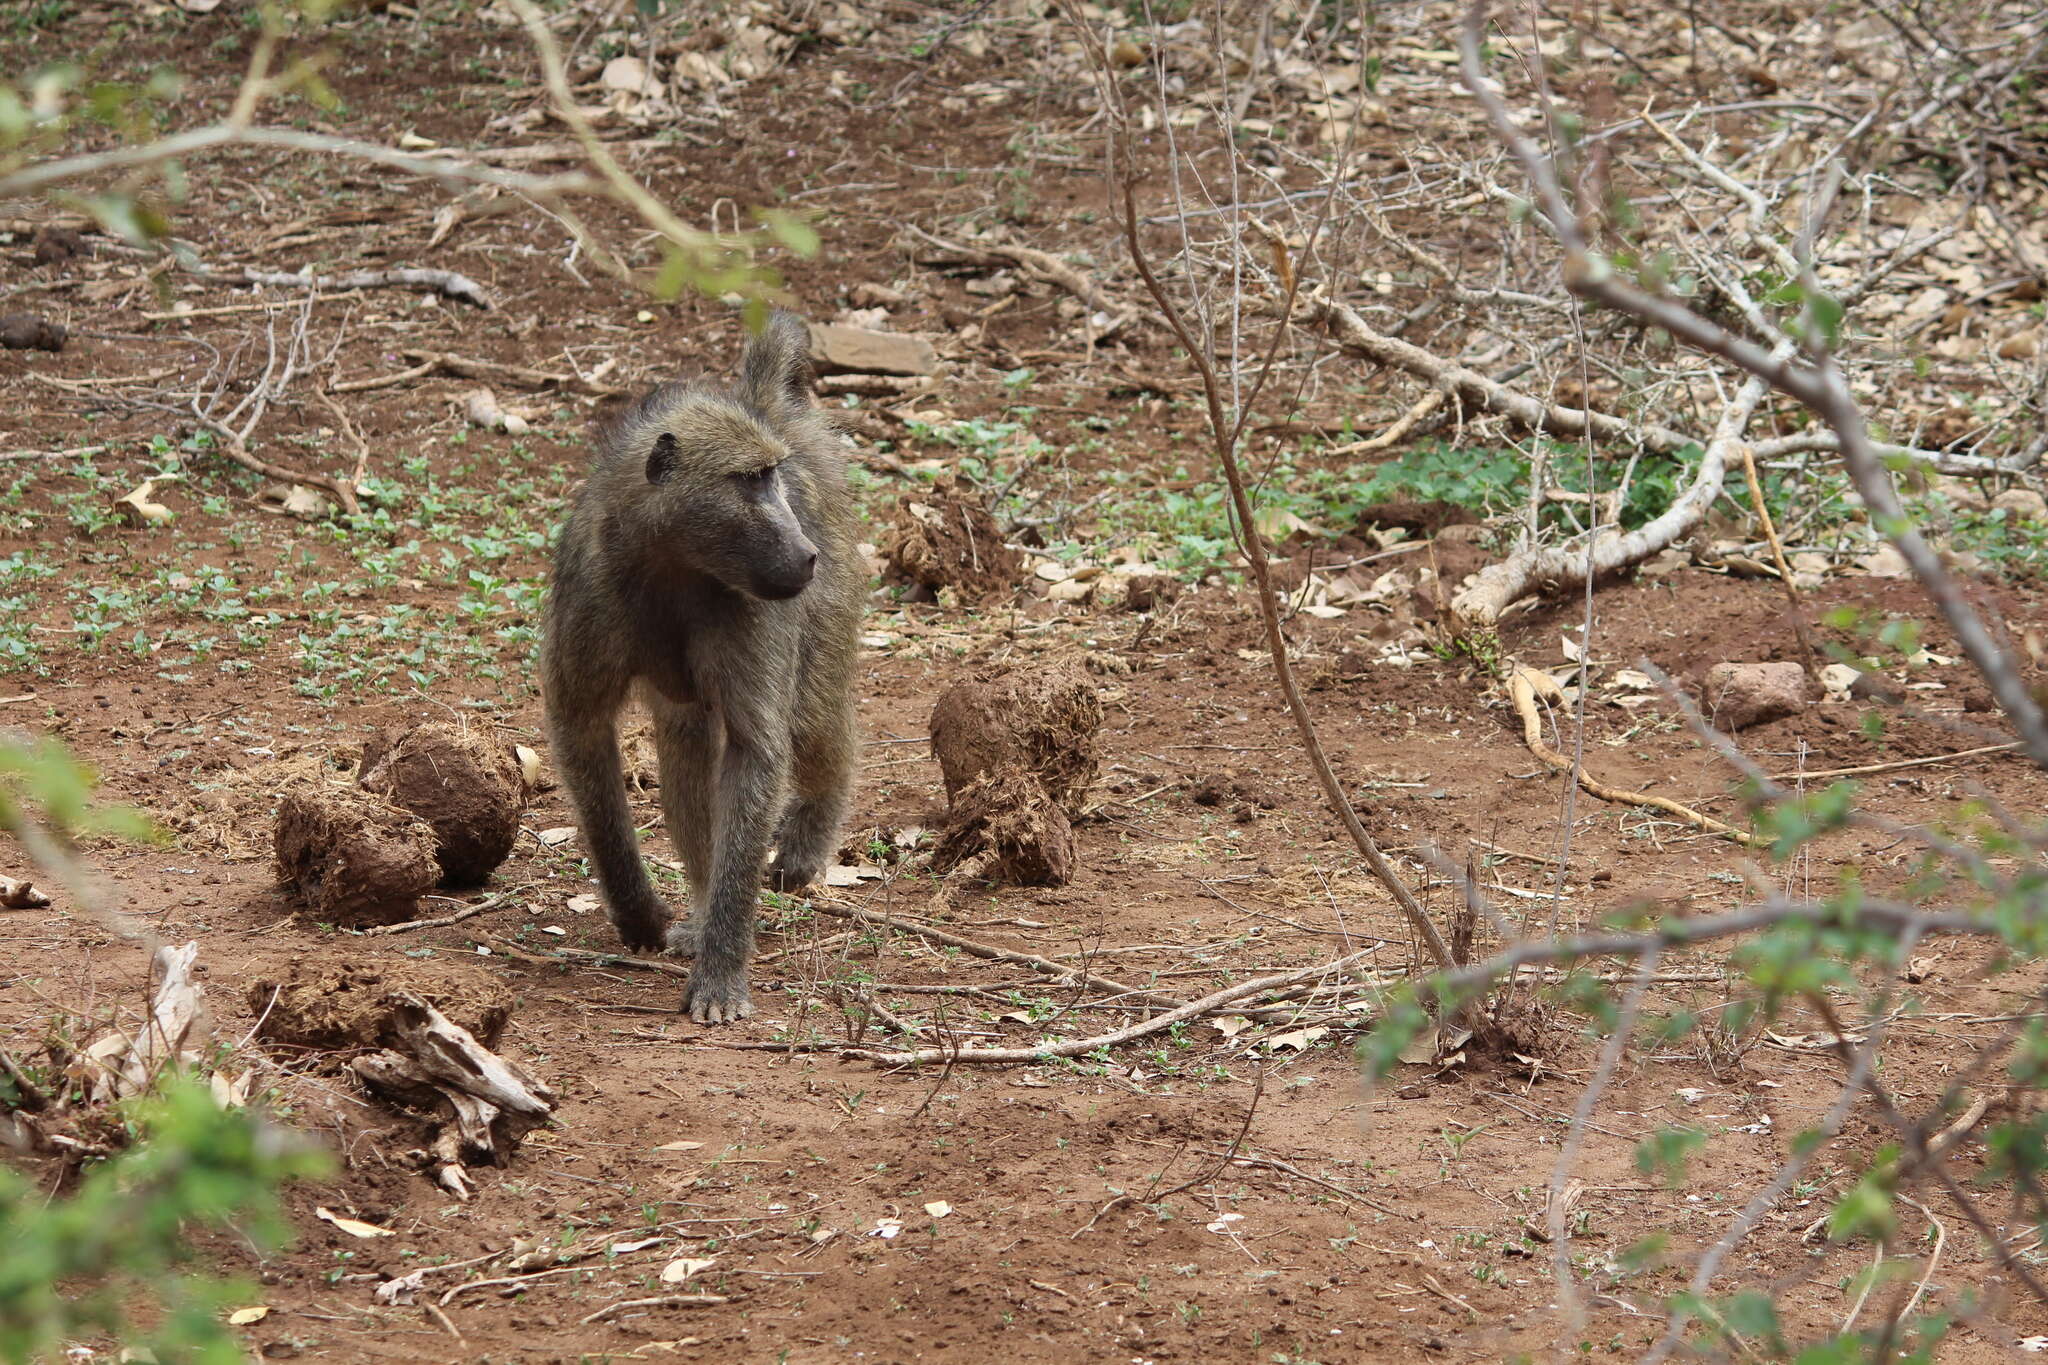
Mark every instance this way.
x=122 y=1235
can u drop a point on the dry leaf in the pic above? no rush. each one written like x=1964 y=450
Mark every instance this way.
x=354 y=1227
x=842 y=875
x=559 y=835
x=938 y=1208
x=584 y=904
x=529 y=765
x=1230 y=1025
x=679 y=1147
x=136 y=507
x=676 y=1271
x=242 y=1317
x=1298 y=1040
x=886 y=1228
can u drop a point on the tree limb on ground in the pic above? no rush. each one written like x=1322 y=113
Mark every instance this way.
x=1040 y=265
x=448 y=283
x=1077 y=1047
x=1525 y=685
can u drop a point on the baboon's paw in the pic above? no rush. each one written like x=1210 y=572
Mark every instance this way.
x=682 y=938
x=717 y=999
x=792 y=876
x=642 y=932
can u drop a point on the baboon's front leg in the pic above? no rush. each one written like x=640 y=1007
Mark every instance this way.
x=586 y=754
x=751 y=779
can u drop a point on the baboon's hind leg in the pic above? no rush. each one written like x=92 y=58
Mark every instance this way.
x=687 y=742
x=821 y=783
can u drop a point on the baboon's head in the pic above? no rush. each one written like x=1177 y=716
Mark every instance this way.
x=715 y=485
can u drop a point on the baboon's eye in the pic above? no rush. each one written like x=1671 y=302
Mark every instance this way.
x=757 y=480
x=661 y=461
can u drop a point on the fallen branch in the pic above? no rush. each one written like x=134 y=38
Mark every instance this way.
x=1077 y=1047
x=495 y=372
x=1897 y=763
x=660 y=1301
x=467 y=912
x=1524 y=685
x=448 y=283
x=991 y=953
x=1040 y=265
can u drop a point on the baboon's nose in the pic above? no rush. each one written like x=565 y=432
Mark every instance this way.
x=811 y=565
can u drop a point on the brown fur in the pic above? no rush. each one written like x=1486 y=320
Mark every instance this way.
x=730 y=598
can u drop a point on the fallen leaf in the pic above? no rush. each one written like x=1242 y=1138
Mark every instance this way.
x=676 y=1271
x=886 y=1228
x=841 y=875
x=242 y=1317
x=1628 y=677
x=584 y=904
x=354 y=1227
x=553 y=929
x=938 y=1208
x=679 y=1147
x=1691 y=1094
x=559 y=835
x=136 y=507
x=1323 y=613
x=1223 y=1222
x=1230 y=1025
x=1298 y=1040
x=529 y=765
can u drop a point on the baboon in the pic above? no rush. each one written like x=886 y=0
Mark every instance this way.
x=710 y=559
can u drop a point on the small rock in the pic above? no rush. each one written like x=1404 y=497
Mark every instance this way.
x=1885 y=562
x=1838 y=679
x=2021 y=504
x=27 y=332
x=1742 y=695
x=1876 y=687
x=837 y=350
x=871 y=295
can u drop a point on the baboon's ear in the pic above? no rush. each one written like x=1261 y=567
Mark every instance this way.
x=661 y=460
x=777 y=368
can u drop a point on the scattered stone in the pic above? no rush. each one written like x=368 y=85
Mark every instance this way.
x=2021 y=504
x=943 y=537
x=466 y=785
x=836 y=350
x=1742 y=695
x=351 y=857
x=27 y=332
x=335 y=1006
x=1017 y=753
x=1135 y=588
x=870 y=295
x=1885 y=562
x=1876 y=687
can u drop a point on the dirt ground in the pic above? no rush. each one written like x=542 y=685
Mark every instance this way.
x=1084 y=1210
